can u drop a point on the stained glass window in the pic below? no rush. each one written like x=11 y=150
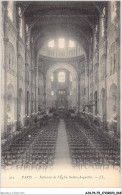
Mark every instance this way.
x=10 y=9
x=71 y=43
x=61 y=43
x=61 y=77
x=51 y=44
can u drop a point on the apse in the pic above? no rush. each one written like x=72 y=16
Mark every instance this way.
x=61 y=47
x=61 y=79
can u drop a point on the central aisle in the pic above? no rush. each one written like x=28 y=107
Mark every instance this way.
x=62 y=156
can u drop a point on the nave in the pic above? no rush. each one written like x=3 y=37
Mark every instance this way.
x=60 y=142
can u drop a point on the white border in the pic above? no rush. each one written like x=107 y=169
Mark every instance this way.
x=34 y=191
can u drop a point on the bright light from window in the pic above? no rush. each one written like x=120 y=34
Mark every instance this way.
x=113 y=10
x=51 y=44
x=21 y=26
x=52 y=92
x=71 y=43
x=61 y=77
x=27 y=28
x=61 y=43
x=52 y=78
x=10 y=9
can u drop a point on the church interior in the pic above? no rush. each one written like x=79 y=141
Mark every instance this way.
x=60 y=86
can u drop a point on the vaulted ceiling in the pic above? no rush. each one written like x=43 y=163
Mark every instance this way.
x=74 y=19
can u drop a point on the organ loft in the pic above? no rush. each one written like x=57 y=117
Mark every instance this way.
x=60 y=86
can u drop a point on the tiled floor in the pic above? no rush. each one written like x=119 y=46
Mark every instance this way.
x=62 y=156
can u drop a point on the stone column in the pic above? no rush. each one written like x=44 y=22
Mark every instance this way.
x=25 y=87
x=36 y=88
x=117 y=21
x=78 y=91
x=45 y=92
x=79 y=74
x=5 y=68
x=87 y=80
x=118 y=88
x=5 y=85
x=18 y=35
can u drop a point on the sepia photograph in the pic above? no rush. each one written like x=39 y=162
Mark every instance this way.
x=60 y=94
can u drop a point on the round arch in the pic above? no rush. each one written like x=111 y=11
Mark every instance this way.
x=11 y=56
x=74 y=75
x=80 y=38
x=66 y=66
